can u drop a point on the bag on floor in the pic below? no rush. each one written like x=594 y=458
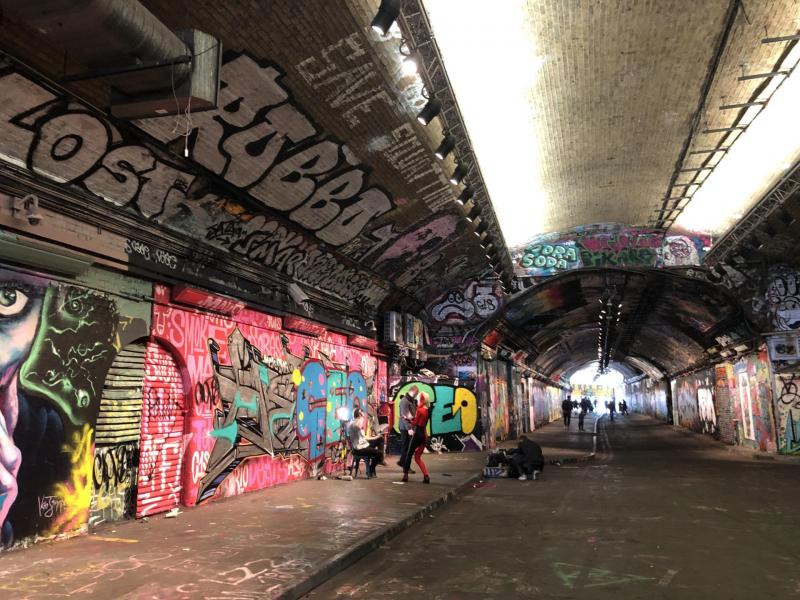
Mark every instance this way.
x=494 y=472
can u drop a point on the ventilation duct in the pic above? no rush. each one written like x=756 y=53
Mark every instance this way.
x=152 y=70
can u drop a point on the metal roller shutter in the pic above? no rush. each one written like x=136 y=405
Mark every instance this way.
x=161 y=448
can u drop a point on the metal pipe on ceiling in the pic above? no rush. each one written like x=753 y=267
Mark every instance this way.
x=102 y=34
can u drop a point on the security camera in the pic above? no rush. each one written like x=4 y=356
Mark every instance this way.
x=35 y=217
x=297 y=294
x=370 y=326
x=28 y=205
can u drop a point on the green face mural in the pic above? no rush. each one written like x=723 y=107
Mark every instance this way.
x=58 y=342
x=75 y=338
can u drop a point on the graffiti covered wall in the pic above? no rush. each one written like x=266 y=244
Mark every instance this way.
x=787 y=412
x=263 y=402
x=493 y=388
x=648 y=397
x=751 y=395
x=57 y=343
x=783 y=298
x=546 y=403
x=693 y=402
x=455 y=416
x=454 y=317
x=606 y=245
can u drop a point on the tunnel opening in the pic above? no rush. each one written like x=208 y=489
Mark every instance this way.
x=598 y=387
x=664 y=322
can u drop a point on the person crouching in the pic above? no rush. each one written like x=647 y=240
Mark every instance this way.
x=528 y=458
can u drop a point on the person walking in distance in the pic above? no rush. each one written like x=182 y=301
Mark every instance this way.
x=566 y=410
x=406 y=416
x=612 y=408
x=585 y=407
x=418 y=439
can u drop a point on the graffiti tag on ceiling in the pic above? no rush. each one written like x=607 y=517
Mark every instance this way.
x=606 y=245
x=472 y=303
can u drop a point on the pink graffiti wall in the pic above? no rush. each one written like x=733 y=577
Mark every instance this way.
x=751 y=394
x=260 y=400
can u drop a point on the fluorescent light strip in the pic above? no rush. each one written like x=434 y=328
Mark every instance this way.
x=758 y=159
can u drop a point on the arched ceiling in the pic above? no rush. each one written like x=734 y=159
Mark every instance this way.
x=613 y=105
x=667 y=320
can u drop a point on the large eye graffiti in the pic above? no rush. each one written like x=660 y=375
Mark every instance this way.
x=12 y=301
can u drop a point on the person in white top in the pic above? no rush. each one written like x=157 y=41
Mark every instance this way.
x=408 y=405
x=369 y=447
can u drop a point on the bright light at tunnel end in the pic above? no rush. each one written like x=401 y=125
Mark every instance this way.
x=588 y=376
x=495 y=41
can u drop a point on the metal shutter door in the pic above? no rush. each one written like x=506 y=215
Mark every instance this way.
x=161 y=447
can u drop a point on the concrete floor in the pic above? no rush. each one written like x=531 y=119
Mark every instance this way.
x=660 y=514
x=255 y=546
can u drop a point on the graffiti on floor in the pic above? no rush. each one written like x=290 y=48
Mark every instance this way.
x=582 y=577
x=275 y=406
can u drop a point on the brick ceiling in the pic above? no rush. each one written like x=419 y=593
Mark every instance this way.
x=615 y=98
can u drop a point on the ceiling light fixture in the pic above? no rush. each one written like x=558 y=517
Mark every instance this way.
x=473 y=214
x=466 y=195
x=387 y=14
x=459 y=174
x=430 y=111
x=445 y=147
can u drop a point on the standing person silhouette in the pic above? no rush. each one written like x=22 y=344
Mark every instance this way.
x=407 y=405
x=419 y=437
x=566 y=410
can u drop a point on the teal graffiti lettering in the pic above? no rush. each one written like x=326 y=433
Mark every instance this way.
x=239 y=403
x=442 y=418
x=228 y=432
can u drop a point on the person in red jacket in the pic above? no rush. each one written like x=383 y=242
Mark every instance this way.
x=417 y=445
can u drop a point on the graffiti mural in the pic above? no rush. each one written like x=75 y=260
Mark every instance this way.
x=472 y=303
x=693 y=401
x=787 y=409
x=492 y=386
x=705 y=403
x=648 y=397
x=783 y=298
x=263 y=401
x=265 y=146
x=454 y=424
x=751 y=393
x=57 y=342
x=606 y=245
x=114 y=473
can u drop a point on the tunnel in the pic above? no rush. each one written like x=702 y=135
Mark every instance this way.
x=284 y=284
